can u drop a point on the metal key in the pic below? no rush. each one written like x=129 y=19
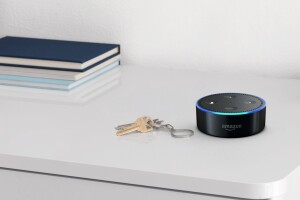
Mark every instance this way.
x=142 y=124
x=154 y=123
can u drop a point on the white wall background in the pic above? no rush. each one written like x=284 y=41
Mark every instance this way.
x=229 y=36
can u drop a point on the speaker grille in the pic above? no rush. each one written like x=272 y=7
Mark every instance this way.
x=230 y=102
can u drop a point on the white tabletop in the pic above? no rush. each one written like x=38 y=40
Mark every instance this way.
x=79 y=139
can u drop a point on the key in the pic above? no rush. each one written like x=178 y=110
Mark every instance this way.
x=121 y=127
x=155 y=123
x=142 y=124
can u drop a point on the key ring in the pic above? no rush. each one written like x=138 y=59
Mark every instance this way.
x=173 y=131
x=189 y=132
x=147 y=124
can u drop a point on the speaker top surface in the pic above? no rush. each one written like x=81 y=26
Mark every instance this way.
x=231 y=103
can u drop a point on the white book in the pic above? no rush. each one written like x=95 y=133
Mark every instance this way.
x=54 y=83
x=79 y=95
x=54 y=74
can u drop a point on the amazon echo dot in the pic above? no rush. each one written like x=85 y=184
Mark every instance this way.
x=231 y=115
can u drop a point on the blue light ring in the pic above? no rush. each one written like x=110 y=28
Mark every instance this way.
x=233 y=113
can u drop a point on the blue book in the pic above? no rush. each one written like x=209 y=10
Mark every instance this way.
x=56 y=84
x=54 y=54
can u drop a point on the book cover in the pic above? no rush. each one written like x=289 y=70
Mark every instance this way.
x=45 y=53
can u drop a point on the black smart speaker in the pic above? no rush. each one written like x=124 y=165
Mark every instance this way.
x=231 y=115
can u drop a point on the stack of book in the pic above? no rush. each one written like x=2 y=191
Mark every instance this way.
x=55 y=64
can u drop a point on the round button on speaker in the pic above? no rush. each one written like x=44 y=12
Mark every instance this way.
x=231 y=115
